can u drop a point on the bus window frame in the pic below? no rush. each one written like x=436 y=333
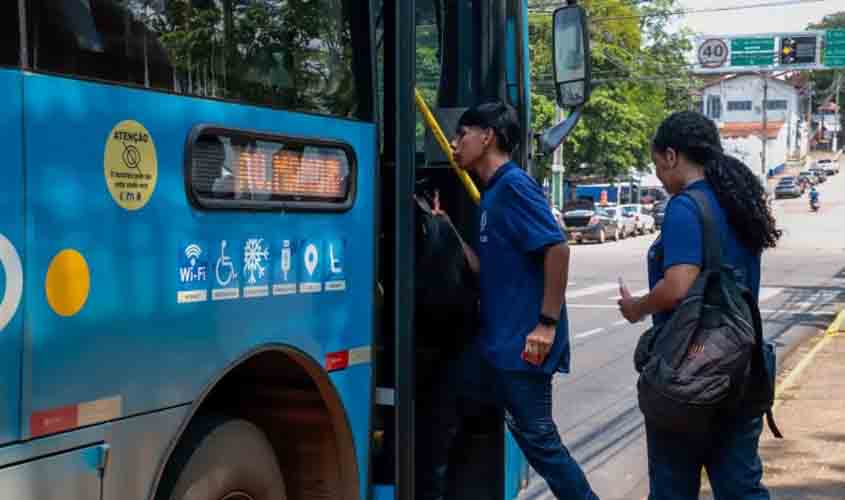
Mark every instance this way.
x=210 y=204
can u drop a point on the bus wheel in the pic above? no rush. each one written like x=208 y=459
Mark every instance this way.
x=223 y=458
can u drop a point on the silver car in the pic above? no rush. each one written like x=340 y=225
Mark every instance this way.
x=643 y=222
x=788 y=188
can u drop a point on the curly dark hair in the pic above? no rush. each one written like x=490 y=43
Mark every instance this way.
x=738 y=190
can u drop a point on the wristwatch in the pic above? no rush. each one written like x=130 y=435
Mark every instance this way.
x=547 y=320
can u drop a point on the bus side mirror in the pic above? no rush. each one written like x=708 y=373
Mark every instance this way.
x=571 y=54
x=571 y=49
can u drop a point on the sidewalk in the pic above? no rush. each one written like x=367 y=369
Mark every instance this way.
x=809 y=462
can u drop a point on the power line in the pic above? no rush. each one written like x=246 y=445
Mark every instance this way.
x=711 y=10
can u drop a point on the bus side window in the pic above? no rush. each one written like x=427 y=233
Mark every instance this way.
x=99 y=39
x=208 y=48
x=9 y=34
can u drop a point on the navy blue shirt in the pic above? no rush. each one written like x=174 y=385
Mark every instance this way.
x=516 y=226
x=680 y=242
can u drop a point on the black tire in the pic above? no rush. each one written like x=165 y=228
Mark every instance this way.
x=616 y=234
x=219 y=457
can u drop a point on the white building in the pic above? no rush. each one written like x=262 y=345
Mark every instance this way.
x=735 y=103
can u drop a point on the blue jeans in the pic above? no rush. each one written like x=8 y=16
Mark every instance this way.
x=527 y=401
x=729 y=455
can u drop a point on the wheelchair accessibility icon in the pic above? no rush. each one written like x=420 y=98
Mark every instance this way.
x=224 y=270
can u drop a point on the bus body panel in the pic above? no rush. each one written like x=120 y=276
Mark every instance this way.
x=137 y=449
x=73 y=475
x=12 y=251
x=132 y=348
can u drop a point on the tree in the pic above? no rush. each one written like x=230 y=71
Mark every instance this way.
x=636 y=64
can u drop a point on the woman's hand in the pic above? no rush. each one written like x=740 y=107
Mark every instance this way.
x=629 y=305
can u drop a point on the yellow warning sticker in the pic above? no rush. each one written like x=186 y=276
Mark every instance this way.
x=130 y=165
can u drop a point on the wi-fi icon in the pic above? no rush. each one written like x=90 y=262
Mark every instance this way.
x=193 y=251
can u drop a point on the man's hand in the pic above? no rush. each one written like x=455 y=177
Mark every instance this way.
x=628 y=305
x=538 y=344
x=471 y=257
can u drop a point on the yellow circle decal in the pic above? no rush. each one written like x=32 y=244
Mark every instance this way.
x=68 y=282
x=130 y=165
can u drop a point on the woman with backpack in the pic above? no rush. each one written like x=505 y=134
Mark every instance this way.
x=691 y=165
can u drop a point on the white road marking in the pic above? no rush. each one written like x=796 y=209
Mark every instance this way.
x=621 y=322
x=762 y=311
x=767 y=293
x=589 y=333
x=591 y=290
x=636 y=293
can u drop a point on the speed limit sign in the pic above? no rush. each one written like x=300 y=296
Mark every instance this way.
x=713 y=53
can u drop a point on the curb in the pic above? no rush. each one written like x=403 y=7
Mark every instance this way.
x=789 y=381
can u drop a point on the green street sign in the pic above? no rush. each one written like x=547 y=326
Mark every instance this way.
x=752 y=45
x=752 y=59
x=834 y=52
x=835 y=37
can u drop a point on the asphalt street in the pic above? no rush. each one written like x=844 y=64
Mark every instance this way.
x=596 y=406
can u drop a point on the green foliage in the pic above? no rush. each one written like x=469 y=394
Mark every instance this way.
x=636 y=64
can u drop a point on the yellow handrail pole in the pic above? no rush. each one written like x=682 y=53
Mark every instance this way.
x=431 y=121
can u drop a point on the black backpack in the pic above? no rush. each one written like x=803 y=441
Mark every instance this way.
x=710 y=359
x=447 y=293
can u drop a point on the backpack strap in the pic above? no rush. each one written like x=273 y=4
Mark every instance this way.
x=711 y=239
x=758 y=338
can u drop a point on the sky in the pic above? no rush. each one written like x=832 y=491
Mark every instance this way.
x=760 y=20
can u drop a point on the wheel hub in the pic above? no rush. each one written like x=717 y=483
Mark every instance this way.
x=237 y=495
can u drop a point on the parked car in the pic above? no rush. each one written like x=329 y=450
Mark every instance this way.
x=658 y=212
x=829 y=166
x=626 y=225
x=819 y=172
x=788 y=188
x=583 y=221
x=558 y=216
x=810 y=175
x=643 y=222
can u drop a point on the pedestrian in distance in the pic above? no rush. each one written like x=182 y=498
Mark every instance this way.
x=688 y=157
x=522 y=261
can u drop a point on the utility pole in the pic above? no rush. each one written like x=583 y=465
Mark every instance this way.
x=765 y=127
x=838 y=119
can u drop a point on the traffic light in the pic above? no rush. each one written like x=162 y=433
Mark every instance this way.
x=788 y=51
x=798 y=49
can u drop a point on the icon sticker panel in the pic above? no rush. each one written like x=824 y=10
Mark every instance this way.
x=192 y=271
x=284 y=258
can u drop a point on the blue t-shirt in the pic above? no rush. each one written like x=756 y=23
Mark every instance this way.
x=680 y=242
x=516 y=225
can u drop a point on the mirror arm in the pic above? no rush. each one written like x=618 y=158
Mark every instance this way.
x=551 y=138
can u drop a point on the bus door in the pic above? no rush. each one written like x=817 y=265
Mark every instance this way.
x=11 y=224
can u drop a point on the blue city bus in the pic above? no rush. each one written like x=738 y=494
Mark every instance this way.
x=207 y=243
